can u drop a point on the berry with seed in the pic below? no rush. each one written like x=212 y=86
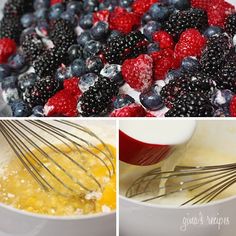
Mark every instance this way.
x=138 y=72
x=7 y=48
x=191 y=43
x=214 y=54
x=32 y=47
x=125 y=47
x=233 y=107
x=123 y=21
x=132 y=110
x=142 y=6
x=183 y=20
x=192 y=104
x=72 y=85
x=98 y=97
x=42 y=90
x=164 y=39
x=63 y=103
x=102 y=15
x=230 y=24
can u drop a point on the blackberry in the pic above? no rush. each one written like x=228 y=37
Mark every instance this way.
x=124 y=47
x=13 y=8
x=62 y=34
x=10 y=28
x=226 y=79
x=215 y=52
x=98 y=97
x=185 y=83
x=49 y=61
x=42 y=90
x=32 y=47
x=193 y=104
x=171 y=91
x=180 y=21
x=230 y=24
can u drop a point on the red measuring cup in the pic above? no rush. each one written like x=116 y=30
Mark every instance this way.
x=147 y=142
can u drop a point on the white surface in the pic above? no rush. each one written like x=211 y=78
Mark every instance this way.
x=14 y=222
x=139 y=219
x=167 y=132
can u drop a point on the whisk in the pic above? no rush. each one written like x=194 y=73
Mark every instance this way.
x=44 y=149
x=204 y=183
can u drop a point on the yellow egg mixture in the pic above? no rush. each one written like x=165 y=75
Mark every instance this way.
x=20 y=190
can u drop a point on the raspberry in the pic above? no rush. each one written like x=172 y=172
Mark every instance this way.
x=132 y=110
x=142 y=6
x=164 y=39
x=138 y=72
x=7 y=48
x=191 y=43
x=149 y=114
x=163 y=62
x=102 y=15
x=233 y=107
x=163 y=66
x=63 y=103
x=53 y=2
x=123 y=21
x=203 y=4
x=218 y=12
x=72 y=85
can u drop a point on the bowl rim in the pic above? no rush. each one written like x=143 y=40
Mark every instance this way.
x=176 y=207
x=60 y=218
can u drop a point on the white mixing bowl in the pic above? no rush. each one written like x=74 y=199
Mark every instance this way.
x=14 y=222
x=141 y=219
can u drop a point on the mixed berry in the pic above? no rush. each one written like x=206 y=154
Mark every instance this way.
x=118 y=58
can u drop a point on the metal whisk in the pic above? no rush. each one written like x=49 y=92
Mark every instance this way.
x=44 y=149
x=204 y=183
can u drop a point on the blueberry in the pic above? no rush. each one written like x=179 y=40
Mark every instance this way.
x=63 y=73
x=153 y=47
x=113 y=72
x=38 y=4
x=55 y=11
x=27 y=20
x=221 y=113
x=20 y=109
x=160 y=12
x=212 y=30
x=94 y=64
x=74 y=52
x=84 y=37
x=150 y=28
x=78 y=67
x=5 y=71
x=41 y=14
x=222 y=98
x=151 y=100
x=100 y=30
x=38 y=111
x=69 y=16
x=173 y=74
x=27 y=81
x=74 y=6
x=90 y=5
x=123 y=100
x=190 y=64
x=86 y=21
x=9 y=82
x=125 y=3
x=146 y=18
x=181 y=4
x=91 y=48
x=87 y=80
x=17 y=62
